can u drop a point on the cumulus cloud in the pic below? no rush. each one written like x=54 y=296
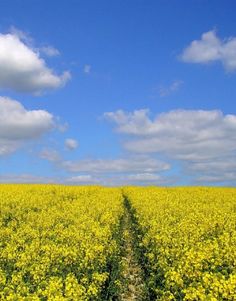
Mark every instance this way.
x=71 y=144
x=211 y=48
x=133 y=123
x=23 y=70
x=184 y=134
x=18 y=125
x=202 y=140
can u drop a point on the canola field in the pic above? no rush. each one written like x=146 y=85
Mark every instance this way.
x=57 y=243
x=187 y=240
x=68 y=243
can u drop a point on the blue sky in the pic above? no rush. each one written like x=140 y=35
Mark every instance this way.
x=118 y=92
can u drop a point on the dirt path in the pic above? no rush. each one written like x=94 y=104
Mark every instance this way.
x=134 y=287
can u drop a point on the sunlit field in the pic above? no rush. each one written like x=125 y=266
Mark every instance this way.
x=188 y=240
x=95 y=243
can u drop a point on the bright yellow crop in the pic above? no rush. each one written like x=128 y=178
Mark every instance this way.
x=57 y=242
x=65 y=243
x=188 y=236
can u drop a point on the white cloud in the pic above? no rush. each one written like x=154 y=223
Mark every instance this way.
x=130 y=123
x=210 y=48
x=149 y=179
x=218 y=165
x=62 y=127
x=28 y=40
x=26 y=178
x=220 y=169
x=202 y=140
x=126 y=165
x=22 y=69
x=184 y=134
x=143 y=177
x=167 y=90
x=87 y=69
x=89 y=179
x=83 y=179
x=50 y=155
x=22 y=35
x=121 y=180
x=49 y=51
x=71 y=144
x=131 y=169
x=8 y=147
x=227 y=177
x=18 y=125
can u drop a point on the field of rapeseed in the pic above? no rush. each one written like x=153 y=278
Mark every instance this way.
x=187 y=237
x=57 y=243
x=72 y=243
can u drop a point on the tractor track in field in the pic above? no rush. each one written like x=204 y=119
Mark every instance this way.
x=132 y=274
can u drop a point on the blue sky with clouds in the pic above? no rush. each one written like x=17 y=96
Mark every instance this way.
x=118 y=92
